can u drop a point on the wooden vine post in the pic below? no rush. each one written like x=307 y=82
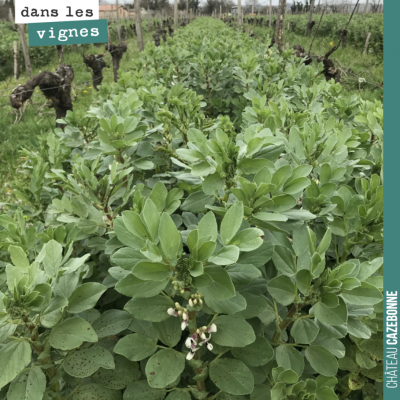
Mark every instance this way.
x=119 y=32
x=16 y=69
x=310 y=14
x=148 y=19
x=11 y=17
x=25 y=49
x=270 y=13
x=176 y=15
x=239 y=12
x=366 y=44
x=138 y=18
x=366 y=8
x=280 y=23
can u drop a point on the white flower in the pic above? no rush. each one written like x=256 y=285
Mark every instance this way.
x=209 y=346
x=203 y=336
x=172 y=312
x=190 y=355
x=361 y=80
x=184 y=316
x=191 y=342
x=190 y=303
x=184 y=324
x=212 y=328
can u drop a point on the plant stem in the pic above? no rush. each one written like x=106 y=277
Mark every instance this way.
x=285 y=323
x=345 y=394
x=201 y=386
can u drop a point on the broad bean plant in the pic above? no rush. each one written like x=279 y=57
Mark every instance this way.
x=211 y=228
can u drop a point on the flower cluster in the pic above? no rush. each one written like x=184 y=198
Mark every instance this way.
x=195 y=300
x=198 y=339
x=182 y=312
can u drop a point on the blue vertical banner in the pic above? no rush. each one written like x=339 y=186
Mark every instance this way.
x=391 y=149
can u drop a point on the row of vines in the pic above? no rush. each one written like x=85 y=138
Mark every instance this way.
x=211 y=228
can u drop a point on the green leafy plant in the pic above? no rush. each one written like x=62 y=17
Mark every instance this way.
x=183 y=241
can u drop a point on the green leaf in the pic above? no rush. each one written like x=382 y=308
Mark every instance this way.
x=85 y=297
x=71 y=333
x=284 y=261
x=366 y=294
x=233 y=332
x=151 y=218
x=248 y=239
x=325 y=393
x=281 y=176
x=325 y=242
x=124 y=373
x=331 y=316
x=208 y=226
x=85 y=362
x=256 y=305
x=111 y=323
x=14 y=356
x=141 y=390
x=334 y=346
x=197 y=202
x=226 y=256
x=282 y=289
x=290 y=358
x=169 y=331
x=288 y=376
x=281 y=203
x=125 y=236
x=159 y=196
x=164 y=367
x=356 y=328
x=304 y=330
x=93 y=391
x=369 y=268
x=232 y=376
x=18 y=257
x=132 y=286
x=152 y=271
x=230 y=306
x=242 y=274
x=152 y=309
x=303 y=280
x=255 y=354
x=221 y=287
x=52 y=252
x=178 y=395
x=206 y=250
x=296 y=186
x=257 y=257
x=270 y=217
x=30 y=384
x=127 y=258
x=134 y=224
x=170 y=239
x=135 y=347
x=231 y=222
x=322 y=360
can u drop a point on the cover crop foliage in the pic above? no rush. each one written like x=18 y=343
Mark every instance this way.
x=210 y=229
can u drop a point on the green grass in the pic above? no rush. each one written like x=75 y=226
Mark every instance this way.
x=350 y=60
